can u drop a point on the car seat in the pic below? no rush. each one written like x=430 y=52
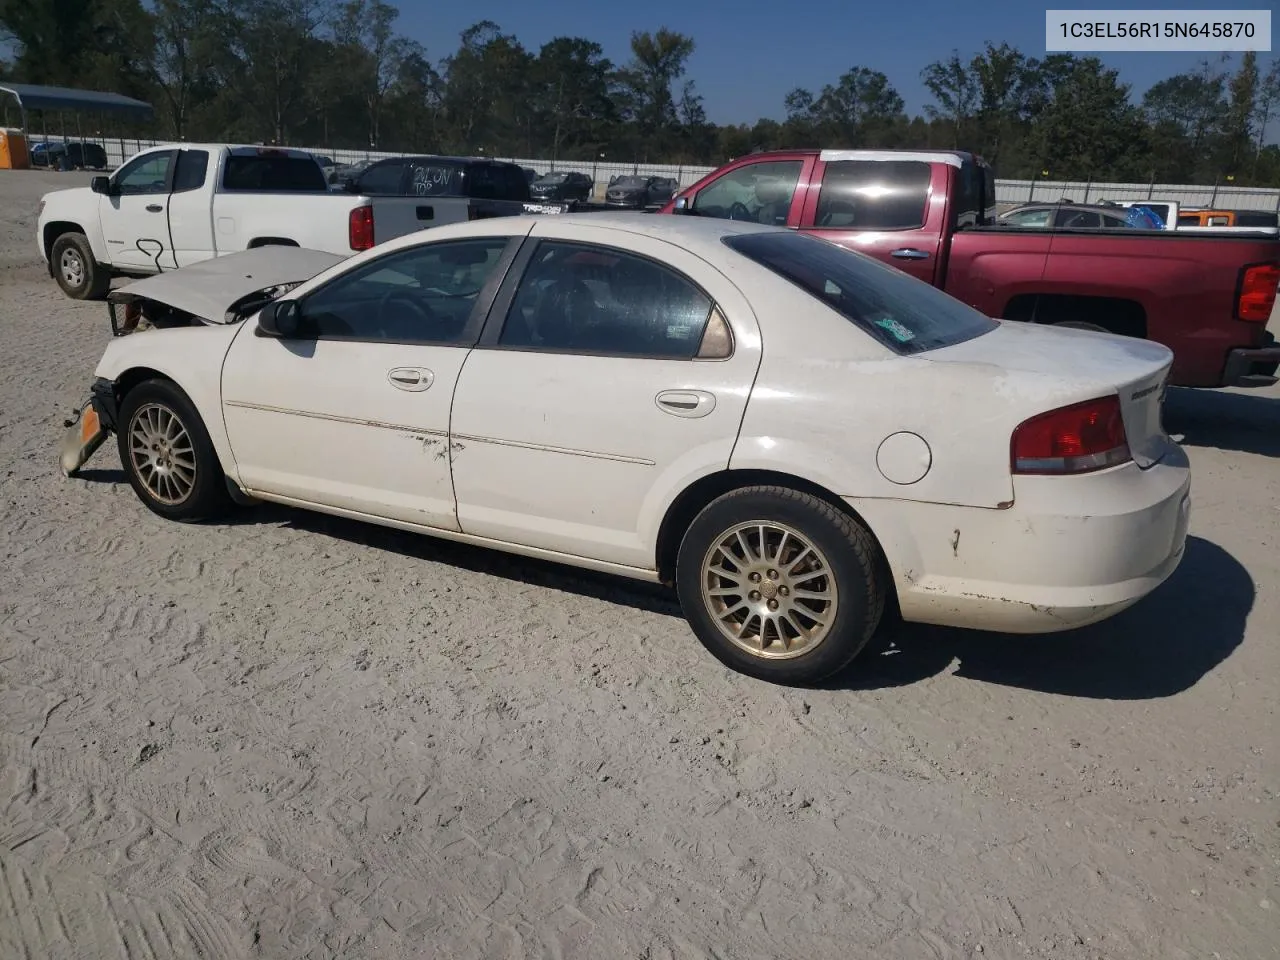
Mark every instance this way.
x=774 y=196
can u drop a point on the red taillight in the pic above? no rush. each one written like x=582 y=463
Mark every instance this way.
x=360 y=228
x=1076 y=439
x=1257 y=292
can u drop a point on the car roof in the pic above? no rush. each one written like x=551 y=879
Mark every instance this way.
x=699 y=235
x=450 y=159
x=851 y=153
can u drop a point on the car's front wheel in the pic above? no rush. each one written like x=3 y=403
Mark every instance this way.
x=780 y=584
x=167 y=454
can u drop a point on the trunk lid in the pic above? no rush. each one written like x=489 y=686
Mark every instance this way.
x=1054 y=366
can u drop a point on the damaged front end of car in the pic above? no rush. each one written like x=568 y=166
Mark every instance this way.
x=85 y=431
x=219 y=291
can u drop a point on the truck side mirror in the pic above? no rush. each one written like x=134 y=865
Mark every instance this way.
x=101 y=185
x=681 y=205
x=280 y=319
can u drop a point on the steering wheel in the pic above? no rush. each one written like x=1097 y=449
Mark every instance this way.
x=424 y=318
x=738 y=211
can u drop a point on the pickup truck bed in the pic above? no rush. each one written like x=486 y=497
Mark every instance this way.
x=1206 y=296
x=1175 y=288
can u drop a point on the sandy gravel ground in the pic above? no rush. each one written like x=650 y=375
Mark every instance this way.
x=291 y=736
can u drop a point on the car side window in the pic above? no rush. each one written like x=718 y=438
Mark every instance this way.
x=1029 y=218
x=756 y=192
x=192 y=167
x=873 y=195
x=424 y=294
x=143 y=175
x=383 y=179
x=1078 y=219
x=588 y=299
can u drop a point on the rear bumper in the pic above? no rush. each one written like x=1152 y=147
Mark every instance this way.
x=1071 y=550
x=1252 y=366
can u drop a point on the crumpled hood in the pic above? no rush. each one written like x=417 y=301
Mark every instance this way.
x=208 y=289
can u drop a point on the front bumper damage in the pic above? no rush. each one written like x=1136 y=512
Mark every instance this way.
x=88 y=427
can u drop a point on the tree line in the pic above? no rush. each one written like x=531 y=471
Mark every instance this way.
x=337 y=73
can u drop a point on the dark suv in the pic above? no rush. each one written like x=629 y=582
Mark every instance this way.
x=563 y=186
x=472 y=177
x=79 y=156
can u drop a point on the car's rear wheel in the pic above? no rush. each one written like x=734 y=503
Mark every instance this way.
x=167 y=454
x=780 y=584
x=75 y=269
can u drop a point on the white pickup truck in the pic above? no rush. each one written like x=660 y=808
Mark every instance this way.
x=174 y=205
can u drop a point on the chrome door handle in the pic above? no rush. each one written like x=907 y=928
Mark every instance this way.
x=686 y=403
x=414 y=379
x=154 y=208
x=910 y=253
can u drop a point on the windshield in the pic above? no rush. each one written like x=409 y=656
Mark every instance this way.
x=631 y=182
x=905 y=314
x=554 y=178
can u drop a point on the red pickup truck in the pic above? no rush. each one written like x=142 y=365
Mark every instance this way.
x=1207 y=297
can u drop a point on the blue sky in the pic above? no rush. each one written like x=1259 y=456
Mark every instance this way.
x=750 y=53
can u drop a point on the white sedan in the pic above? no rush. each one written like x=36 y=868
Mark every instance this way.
x=788 y=432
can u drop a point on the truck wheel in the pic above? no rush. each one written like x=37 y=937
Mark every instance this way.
x=779 y=584
x=167 y=454
x=77 y=273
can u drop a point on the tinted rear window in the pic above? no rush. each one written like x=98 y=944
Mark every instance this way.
x=280 y=173
x=382 y=179
x=429 y=177
x=192 y=165
x=1256 y=220
x=905 y=314
x=873 y=194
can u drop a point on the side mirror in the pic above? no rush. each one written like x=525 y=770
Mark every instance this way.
x=280 y=319
x=101 y=185
x=681 y=205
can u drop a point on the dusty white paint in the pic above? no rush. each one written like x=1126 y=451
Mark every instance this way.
x=568 y=456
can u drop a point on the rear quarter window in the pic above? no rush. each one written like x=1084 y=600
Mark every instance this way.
x=873 y=195
x=905 y=314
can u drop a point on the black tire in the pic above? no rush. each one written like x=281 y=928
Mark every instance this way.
x=207 y=496
x=75 y=270
x=851 y=555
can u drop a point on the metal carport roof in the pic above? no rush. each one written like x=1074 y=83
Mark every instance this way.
x=31 y=97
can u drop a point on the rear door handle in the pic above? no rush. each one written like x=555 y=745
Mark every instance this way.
x=910 y=253
x=154 y=208
x=413 y=379
x=686 y=403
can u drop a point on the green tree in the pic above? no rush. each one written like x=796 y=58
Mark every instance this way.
x=659 y=61
x=955 y=92
x=571 y=96
x=1090 y=129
